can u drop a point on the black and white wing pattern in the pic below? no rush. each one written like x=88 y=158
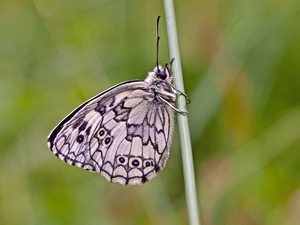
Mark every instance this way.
x=123 y=133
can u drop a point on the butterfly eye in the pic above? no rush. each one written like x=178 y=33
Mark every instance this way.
x=161 y=74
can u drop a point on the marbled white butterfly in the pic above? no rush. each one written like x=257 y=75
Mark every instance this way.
x=123 y=133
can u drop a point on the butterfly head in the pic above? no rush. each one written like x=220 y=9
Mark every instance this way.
x=160 y=73
x=163 y=73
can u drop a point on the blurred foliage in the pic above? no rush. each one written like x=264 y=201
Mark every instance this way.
x=241 y=66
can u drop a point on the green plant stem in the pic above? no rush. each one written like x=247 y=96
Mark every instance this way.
x=185 y=141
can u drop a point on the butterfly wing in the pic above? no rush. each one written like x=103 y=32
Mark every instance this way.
x=123 y=134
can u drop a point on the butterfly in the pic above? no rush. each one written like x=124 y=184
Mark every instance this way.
x=123 y=133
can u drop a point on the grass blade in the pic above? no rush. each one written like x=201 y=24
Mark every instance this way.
x=186 y=147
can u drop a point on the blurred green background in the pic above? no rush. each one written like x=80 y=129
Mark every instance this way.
x=241 y=63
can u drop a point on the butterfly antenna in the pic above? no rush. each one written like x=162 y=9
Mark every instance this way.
x=171 y=63
x=157 y=41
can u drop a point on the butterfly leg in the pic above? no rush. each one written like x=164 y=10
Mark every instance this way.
x=176 y=91
x=188 y=100
x=173 y=107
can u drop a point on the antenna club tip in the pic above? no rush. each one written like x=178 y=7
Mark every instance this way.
x=158 y=19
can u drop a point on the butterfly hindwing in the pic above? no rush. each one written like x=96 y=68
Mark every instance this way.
x=123 y=134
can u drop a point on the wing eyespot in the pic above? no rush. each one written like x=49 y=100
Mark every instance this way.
x=80 y=138
x=102 y=133
x=148 y=163
x=107 y=140
x=135 y=162
x=122 y=160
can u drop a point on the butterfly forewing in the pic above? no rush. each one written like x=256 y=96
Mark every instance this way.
x=123 y=134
